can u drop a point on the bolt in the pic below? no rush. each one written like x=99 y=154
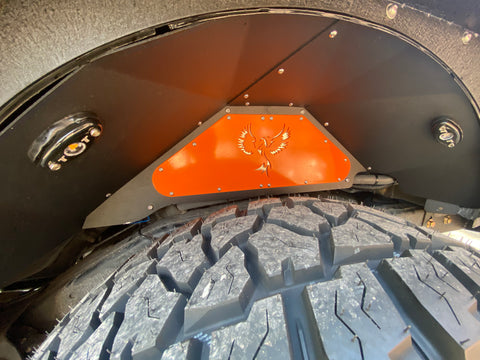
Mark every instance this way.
x=199 y=123
x=245 y=96
x=369 y=168
x=247 y=104
x=345 y=160
x=227 y=110
x=301 y=118
x=339 y=179
x=107 y=195
x=54 y=166
x=467 y=36
x=95 y=132
x=271 y=117
x=306 y=182
x=161 y=169
x=194 y=144
x=407 y=328
x=268 y=185
x=354 y=338
x=392 y=11
x=150 y=207
x=325 y=141
x=333 y=33
x=302 y=112
x=263 y=118
x=171 y=193
x=326 y=124
x=229 y=117
x=219 y=189
x=291 y=104
x=280 y=71
x=261 y=185
x=347 y=180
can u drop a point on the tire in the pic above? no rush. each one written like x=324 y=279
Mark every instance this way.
x=282 y=278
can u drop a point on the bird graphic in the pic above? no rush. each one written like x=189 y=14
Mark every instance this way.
x=265 y=146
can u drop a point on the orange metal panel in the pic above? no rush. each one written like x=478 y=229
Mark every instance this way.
x=252 y=151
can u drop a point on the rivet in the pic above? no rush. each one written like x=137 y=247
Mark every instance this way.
x=194 y=144
x=161 y=169
x=150 y=207
x=291 y=104
x=332 y=34
x=347 y=180
x=269 y=185
x=392 y=11
x=199 y=123
x=325 y=141
x=247 y=104
x=467 y=36
x=54 y=166
x=339 y=179
x=281 y=71
x=95 y=132
x=229 y=117
x=263 y=118
x=271 y=117
x=302 y=112
x=345 y=160
x=301 y=117
x=369 y=168
x=326 y=124
x=261 y=185
x=245 y=96
x=305 y=182
x=171 y=193
x=107 y=195
x=219 y=189
x=227 y=110
x=407 y=328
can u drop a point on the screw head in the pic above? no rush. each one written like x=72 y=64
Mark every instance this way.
x=161 y=169
x=326 y=124
x=291 y=104
x=246 y=96
x=95 y=132
x=247 y=104
x=391 y=11
x=347 y=180
x=332 y=34
x=466 y=37
x=301 y=117
x=269 y=185
x=171 y=193
x=339 y=179
x=271 y=117
x=263 y=118
x=194 y=144
x=369 y=168
x=219 y=189
x=150 y=207
x=325 y=141
x=229 y=117
x=261 y=185
x=281 y=71
x=54 y=166
x=305 y=182
x=199 y=123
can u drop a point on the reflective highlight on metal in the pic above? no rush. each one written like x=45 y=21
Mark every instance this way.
x=244 y=151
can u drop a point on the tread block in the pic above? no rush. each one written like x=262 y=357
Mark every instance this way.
x=83 y=322
x=125 y=282
x=183 y=233
x=184 y=263
x=358 y=241
x=278 y=250
x=227 y=213
x=335 y=213
x=224 y=291
x=438 y=303
x=232 y=232
x=464 y=266
x=439 y=240
x=299 y=219
x=350 y=316
x=183 y=350
x=360 y=209
x=99 y=343
x=153 y=317
x=262 y=207
x=403 y=236
x=263 y=335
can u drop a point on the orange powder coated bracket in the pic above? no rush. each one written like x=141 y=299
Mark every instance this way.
x=239 y=152
x=248 y=148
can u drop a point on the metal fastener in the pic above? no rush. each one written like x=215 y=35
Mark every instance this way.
x=466 y=37
x=332 y=34
x=325 y=141
x=247 y=104
x=171 y=193
x=161 y=169
x=194 y=144
x=107 y=195
x=199 y=123
x=301 y=117
x=261 y=185
x=95 y=132
x=339 y=179
x=219 y=189
x=150 y=207
x=227 y=110
x=369 y=168
x=263 y=118
x=326 y=124
x=245 y=96
x=347 y=180
x=229 y=117
x=271 y=117
x=391 y=11
x=268 y=185
x=281 y=71
x=54 y=166
x=306 y=182
x=291 y=104
x=302 y=112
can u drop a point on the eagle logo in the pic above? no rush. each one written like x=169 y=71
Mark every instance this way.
x=263 y=147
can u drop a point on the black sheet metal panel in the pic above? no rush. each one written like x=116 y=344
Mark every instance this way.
x=147 y=97
x=380 y=96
